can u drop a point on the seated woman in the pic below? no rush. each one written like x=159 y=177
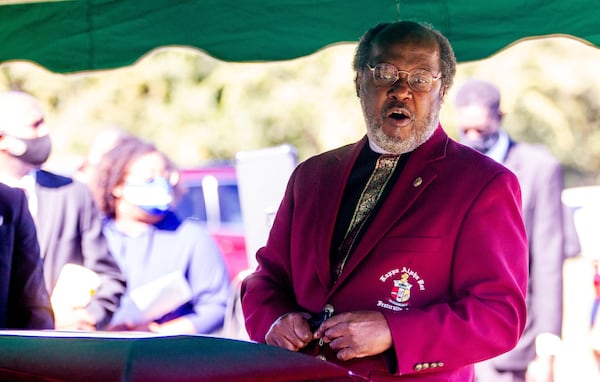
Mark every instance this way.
x=177 y=281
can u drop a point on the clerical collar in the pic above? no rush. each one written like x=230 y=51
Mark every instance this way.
x=377 y=149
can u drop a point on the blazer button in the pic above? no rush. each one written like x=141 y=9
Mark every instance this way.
x=418 y=367
x=418 y=181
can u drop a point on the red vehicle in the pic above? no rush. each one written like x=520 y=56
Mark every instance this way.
x=212 y=197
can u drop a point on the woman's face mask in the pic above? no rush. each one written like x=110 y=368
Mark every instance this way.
x=34 y=151
x=154 y=197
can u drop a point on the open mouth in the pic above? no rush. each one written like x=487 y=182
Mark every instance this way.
x=399 y=115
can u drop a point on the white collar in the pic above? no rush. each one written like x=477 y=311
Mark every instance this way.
x=376 y=148
x=498 y=151
x=25 y=182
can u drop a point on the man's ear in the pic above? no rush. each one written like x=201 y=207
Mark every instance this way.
x=357 y=82
x=443 y=92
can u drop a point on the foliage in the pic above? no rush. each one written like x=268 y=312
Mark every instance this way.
x=198 y=109
x=550 y=90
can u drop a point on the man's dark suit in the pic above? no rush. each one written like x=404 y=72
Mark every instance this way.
x=541 y=179
x=70 y=231
x=24 y=301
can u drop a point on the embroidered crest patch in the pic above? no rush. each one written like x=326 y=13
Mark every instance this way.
x=403 y=281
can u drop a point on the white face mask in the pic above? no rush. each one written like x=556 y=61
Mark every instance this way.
x=482 y=143
x=154 y=197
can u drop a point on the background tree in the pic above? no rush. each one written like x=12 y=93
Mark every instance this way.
x=199 y=109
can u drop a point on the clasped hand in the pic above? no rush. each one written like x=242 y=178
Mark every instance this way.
x=351 y=334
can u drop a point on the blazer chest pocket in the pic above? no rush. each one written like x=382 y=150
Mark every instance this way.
x=399 y=244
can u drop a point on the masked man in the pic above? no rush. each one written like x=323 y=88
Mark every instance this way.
x=68 y=224
x=541 y=179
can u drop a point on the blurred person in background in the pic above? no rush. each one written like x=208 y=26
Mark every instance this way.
x=105 y=140
x=24 y=300
x=541 y=178
x=177 y=281
x=595 y=322
x=68 y=225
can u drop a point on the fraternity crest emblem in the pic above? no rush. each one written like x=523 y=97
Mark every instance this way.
x=401 y=289
x=403 y=281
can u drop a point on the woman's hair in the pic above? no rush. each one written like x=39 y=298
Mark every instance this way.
x=113 y=166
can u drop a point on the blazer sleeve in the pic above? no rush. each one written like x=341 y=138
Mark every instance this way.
x=268 y=292
x=97 y=257
x=209 y=280
x=28 y=302
x=487 y=314
x=547 y=245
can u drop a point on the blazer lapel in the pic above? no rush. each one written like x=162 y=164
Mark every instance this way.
x=49 y=203
x=332 y=182
x=513 y=159
x=417 y=175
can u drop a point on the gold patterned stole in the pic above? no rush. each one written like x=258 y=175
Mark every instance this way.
x=384 y=168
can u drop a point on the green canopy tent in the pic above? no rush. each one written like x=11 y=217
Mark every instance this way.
x=80 y=35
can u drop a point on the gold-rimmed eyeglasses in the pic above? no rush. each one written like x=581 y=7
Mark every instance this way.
x=419 y=80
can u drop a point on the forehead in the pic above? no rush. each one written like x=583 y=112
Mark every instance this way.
x=473 y=115
x=19 y=111
x=408 y=51
x=148 y=162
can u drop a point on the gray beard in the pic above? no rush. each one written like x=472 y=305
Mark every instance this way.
x=422 y=130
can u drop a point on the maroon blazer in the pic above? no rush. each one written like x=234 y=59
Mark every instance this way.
x=445 y=260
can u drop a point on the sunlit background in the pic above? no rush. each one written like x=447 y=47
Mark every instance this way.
x=200 y=110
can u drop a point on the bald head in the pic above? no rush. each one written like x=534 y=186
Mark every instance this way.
x=478 y=112
x=24 y=139
x=480 y=93
x=21 y=115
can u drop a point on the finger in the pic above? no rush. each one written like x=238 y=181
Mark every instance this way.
x=338 y=342
x=287 y=338
x=286 y=344
x=329 y=324
x=279 y=340
x=294 y=342
x=345 y=349
x=346 y=354
x=334 y=333
x=302 y=331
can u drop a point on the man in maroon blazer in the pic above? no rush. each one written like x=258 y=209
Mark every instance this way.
x=24 y=301
x=435 y=279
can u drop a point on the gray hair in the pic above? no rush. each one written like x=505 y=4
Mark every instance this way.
x=408 y=30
